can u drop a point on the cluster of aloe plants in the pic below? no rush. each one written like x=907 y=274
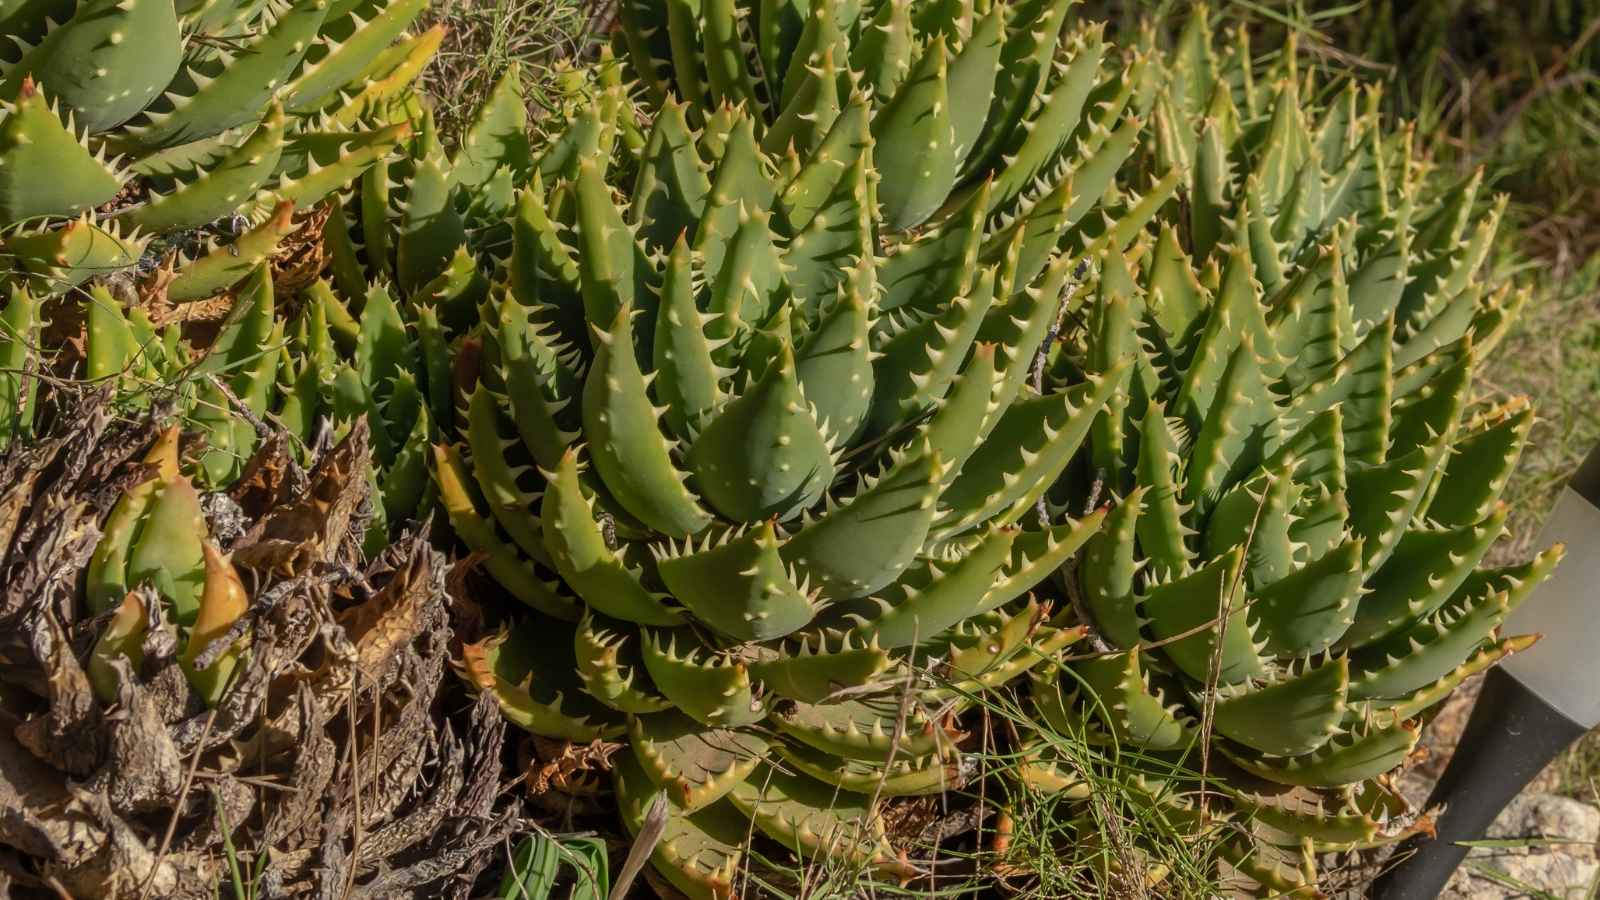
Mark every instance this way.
x=1303 y=484
x=772 y=378
x=125 y=121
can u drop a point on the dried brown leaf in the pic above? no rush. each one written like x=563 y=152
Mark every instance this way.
x=143 y=771
x=294 y=814
x=559 y=763
x=314 y=527
x=70 y=735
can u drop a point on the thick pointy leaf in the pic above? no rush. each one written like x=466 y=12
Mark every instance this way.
x=1240 y=430
x=738 y=585
x=1175 y=300
x=1212 y=196
x=1432 y=410
x=1257 y=232
x=820 y=31
x=695 y=765
x=956 y=428
x=682 y=27
x=972 y=80
x=1211 y=599
x=1376 y=285
x=697 y=852
x=1018 y=326
x=883 y=53
x=34 y=140
x=686 y=375
x=167 y=552
x=1416 y=657
x=1350 y=757
x=139 y=42
x=610 y=666
x=62 y=258
x=1287 y=146
x=1304 y=613
x=901 y=778
x=407 y=479
x=383 y=349
x=813 y=675
x=508 y=502
x=778 y=25
x=863 y=544
x=670 y=194
x=1359 y=385
x=839 y=233
x=1116 y=691
x=834 y=363
x=1356 y=187
x=630 y=454
x=809 y=114
x=1291 y=717
x=543 y=273
x=727 y=71
x=915 y=131
x=763 y=456
x=581 y=554
x=1094 y=176
x=1162 y=534
x=357 y=55
x=1425 y=568
x=1032 y=235
x=531 y=671
x=231 y=88
x=1311 y=318
x=541 y=387
x=917 y=365
x=748 y=287
x=1107 y=574
x=938 y=593
x=226 y=185
x=1477 y=471
x=864 y=729
x=1235 y=314
x=709 y=687
x=980 y=644
x=1255 y=514
x=812 y=817
x=814 y=186
x=1024 y=62
x=587 y=135
x=502 y=562
x=1024 y=453
x=741 y=187
x=940 y=264
x=609 y=259
x=1447 y=274
x=430 y=228
x=497 y=135
x=1033 y=149
x=1383 y=498
x=1446 y=325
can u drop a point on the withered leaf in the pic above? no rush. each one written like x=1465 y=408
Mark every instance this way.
x=71 y=734
x=314 y=526
x=142 y=771
x=559 y=763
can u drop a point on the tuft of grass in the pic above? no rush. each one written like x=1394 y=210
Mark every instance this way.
x=487 y=36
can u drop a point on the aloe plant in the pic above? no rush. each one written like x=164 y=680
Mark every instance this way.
x=121 y=122
x=1303 y=483
x=750 y=470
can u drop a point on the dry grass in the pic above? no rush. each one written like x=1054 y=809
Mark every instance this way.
x=487 y=36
